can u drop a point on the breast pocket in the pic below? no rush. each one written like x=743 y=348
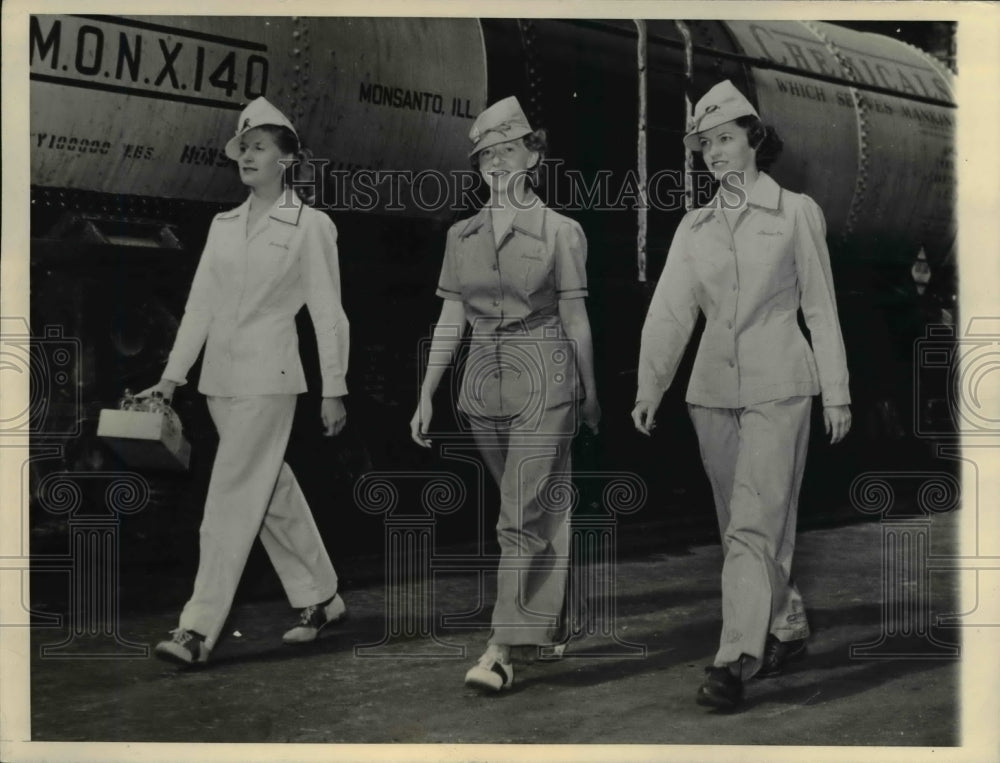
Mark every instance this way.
x=275 y=253
x=536 y=277
x=772 y=251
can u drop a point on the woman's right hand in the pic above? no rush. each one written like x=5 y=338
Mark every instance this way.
x=643 y=416
x=418 y=424
x=163 y=386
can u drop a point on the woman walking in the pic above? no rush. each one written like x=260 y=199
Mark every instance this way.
x=262 y=261
x=749 y=261
x=515 y=272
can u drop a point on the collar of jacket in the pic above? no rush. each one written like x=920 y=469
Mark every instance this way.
x=766 y=193
x=529 y=221
x=287 y=209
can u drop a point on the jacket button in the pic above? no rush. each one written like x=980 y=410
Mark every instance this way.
x=496 y=303
x=729 y=324
x=732 y=363
x=495 y=266
x=734 y=287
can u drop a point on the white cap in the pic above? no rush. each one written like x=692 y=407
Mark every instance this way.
x=259 y=112
x=501 y=122
x=723 y=103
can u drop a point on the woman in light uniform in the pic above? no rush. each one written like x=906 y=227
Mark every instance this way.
x=749 y=261
x=262 y=261
x=516 y=272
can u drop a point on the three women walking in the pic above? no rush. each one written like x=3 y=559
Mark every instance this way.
x=515 y=274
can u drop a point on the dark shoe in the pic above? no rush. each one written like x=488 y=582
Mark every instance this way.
x=721 y=690
x=185 y=648
x=777 y=653
x=314 y=618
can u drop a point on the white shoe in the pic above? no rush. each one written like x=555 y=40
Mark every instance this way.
x=315 y=618
x=490 y=672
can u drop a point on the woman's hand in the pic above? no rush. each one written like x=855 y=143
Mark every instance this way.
x=590 y=411
x=837 y=419
x=421 y=418
x=643 y=416
x=334 y=415
x=163 y=386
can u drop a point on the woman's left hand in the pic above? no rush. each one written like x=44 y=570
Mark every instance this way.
x=334 y=415
x=590 y=411
x=837 y=419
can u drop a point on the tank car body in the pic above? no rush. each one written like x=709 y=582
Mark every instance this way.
x=128 y=117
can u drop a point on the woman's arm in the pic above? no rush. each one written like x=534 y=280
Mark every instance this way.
x=320 y=271
x=193 y=329
x=447 y=334
x=819 y=303
x=669 y=323
x=819 y=308
x=576 y=324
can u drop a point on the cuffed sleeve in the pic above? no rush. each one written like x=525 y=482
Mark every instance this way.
x=570 y=261
x=669 y=321
x=321 y=278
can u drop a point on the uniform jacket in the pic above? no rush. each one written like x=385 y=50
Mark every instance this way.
x=749 y=283
x=246 y=292
x=520 y=359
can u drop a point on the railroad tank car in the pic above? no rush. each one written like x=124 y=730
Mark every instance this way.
x=128 y=116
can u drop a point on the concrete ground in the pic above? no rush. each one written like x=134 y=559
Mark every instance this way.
x=632 y=681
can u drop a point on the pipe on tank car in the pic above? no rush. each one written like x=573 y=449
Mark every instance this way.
x=688 y=111
x=641 y=158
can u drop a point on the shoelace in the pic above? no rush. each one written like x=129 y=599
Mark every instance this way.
x=181 y=636
x=306 y=615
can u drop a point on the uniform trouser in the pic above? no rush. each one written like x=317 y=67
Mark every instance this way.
x=533 y=528
x=754 y=458
x=253 y=491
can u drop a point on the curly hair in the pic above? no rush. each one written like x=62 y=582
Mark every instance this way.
x=762 y=137
x=537 y=141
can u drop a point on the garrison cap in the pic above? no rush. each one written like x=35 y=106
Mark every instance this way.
x=258 y=112
x=723 y=103
x=502 y=121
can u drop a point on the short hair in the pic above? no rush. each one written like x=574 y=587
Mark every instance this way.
x=288 y=143
x=764 y=138
x=536 y=141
